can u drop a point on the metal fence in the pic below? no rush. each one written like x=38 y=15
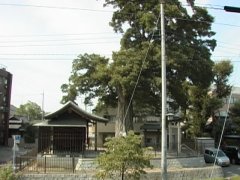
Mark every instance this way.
x=84 y=162
x=52 y=164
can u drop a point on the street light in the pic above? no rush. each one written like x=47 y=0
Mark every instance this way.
x=232 y=9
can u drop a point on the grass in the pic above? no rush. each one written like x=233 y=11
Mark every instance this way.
x=235 y=178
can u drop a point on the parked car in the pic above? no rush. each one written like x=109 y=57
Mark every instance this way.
x=233 y=152
x=210 y=154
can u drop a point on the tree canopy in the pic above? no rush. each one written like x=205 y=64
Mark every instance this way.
x=31 y=110
x=205 y=102
x=222 y=72
x=136 y=67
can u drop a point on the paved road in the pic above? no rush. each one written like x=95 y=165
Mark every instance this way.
x=5 y=154
x=232 y=170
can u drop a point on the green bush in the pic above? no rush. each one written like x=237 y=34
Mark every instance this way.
x=6 y=173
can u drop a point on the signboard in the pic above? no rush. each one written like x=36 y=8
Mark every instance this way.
x=15 y=147
x=16 y=138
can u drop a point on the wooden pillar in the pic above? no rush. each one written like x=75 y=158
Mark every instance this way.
x=158 y=139
x=145 y=133
x=95 y=136
x=52 y=140
x=170 y=143
x=87 y=135
x=39 y=144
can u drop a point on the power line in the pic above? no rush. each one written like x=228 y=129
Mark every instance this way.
x=207 y=6
x=67 y=59
x=200 y=21
x=216 y=56
x=35 y=59
x=38 y=54
x=56 y=7
x=224 y=46
x=76 y=34
x=76 y=54
x=40 y=35
x=95 y=10
x=210 y=5
x=229 y=44
x=72 y=44
x=57 y=40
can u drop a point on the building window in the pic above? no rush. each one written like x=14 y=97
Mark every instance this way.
x=148 y=140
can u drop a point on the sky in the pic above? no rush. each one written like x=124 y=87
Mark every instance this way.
x=38 y=44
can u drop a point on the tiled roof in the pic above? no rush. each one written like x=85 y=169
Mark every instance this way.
x=74 y=107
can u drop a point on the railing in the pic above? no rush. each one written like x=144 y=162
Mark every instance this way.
x=52 y=164
x=192 y=152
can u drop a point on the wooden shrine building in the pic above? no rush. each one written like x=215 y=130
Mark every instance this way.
x=66 y=130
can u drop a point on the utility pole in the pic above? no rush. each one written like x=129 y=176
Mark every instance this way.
x=43 y=105
x=164 y=98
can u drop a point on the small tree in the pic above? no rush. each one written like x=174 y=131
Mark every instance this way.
x=124 y=157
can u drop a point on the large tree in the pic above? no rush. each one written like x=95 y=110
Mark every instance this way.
x=205 y=103
x=188 y=47
x=113 y=83
x=221 y=89
x=188 y=42
x=222 y=71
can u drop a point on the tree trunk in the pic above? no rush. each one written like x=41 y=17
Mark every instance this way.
x=124 y=121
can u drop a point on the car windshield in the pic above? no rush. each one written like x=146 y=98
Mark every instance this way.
x=220 y=154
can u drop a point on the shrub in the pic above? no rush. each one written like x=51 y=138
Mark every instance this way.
x=123 y=158
x=6 y=173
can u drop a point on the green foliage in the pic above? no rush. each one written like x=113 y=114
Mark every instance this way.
x=235 y=178
x=31 y=110
x=235 y=114
x=211 y=105
x=204 y=105
x=189 y=47
x=222 y=72
x=90 y=76
x=6 y=173
x=190 y=62
x=196 y=120
x=124 y=158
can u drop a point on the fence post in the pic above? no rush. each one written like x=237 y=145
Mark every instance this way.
x=20 y=163
x=73 y=163
x=83 y=149
x=45 y=164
